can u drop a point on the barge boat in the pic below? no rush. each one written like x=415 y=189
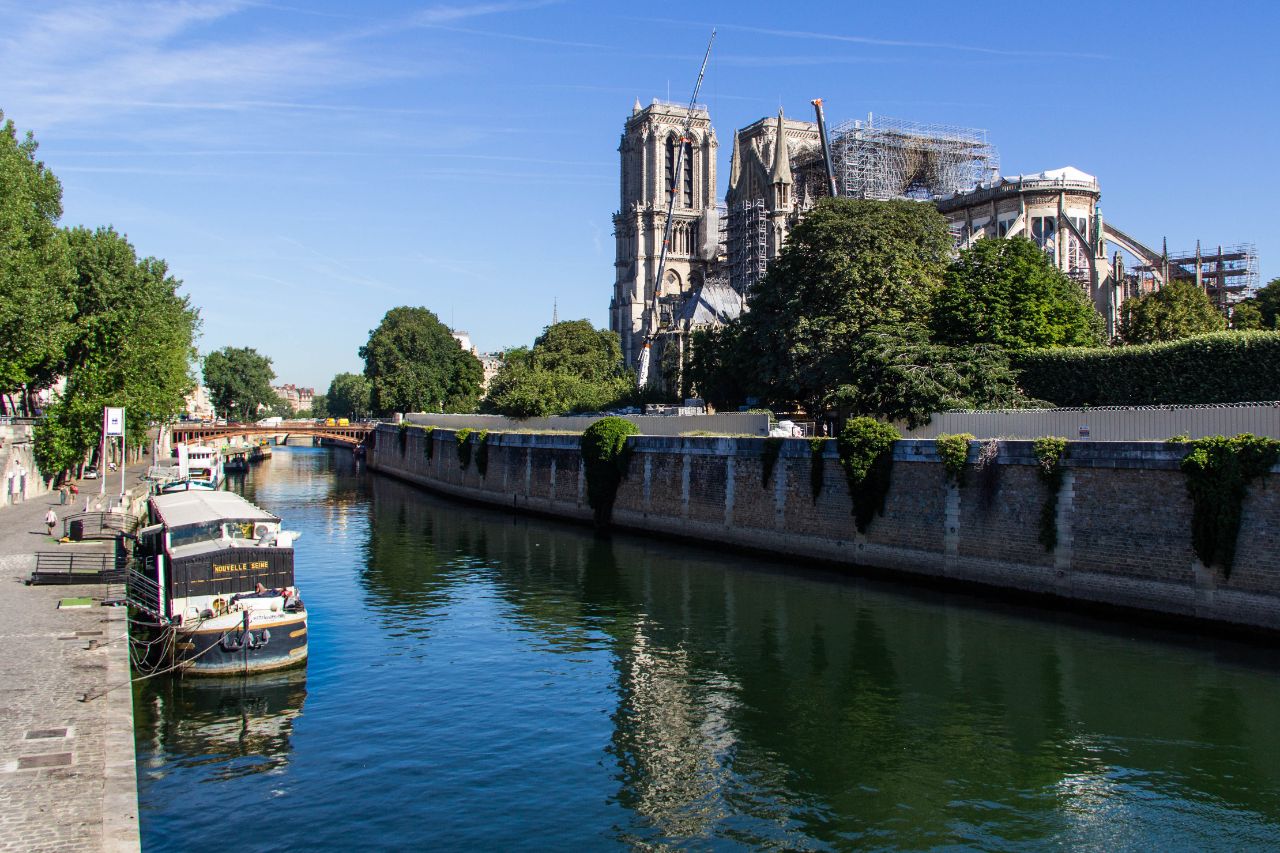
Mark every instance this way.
x=214 y=591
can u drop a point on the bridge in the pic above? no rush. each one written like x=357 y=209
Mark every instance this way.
x=354 y=435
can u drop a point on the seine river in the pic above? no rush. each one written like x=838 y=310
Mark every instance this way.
x=485 y=681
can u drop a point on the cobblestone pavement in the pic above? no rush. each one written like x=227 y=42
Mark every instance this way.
x=67 y=774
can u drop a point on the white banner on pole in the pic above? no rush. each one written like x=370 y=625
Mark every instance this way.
x=114 y=420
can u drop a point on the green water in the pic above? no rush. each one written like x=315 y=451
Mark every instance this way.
x=480 y=680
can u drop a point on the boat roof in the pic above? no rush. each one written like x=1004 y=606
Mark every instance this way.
x=181 y=509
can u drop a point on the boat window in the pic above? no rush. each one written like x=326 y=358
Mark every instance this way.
x=239 y=529
x=204 y=532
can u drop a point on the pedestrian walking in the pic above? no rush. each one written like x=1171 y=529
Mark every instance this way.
x=51 y=520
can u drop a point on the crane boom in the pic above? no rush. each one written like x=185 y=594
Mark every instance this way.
x=651 y=323
x=826 y=146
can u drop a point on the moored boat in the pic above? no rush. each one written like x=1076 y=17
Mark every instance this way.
x=199 y=468
x=214 y=590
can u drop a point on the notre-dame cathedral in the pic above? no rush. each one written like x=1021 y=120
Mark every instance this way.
x=718 y=250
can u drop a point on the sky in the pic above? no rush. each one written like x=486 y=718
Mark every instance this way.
x=304 y=167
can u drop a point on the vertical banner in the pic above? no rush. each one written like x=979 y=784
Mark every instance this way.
x=114 y=419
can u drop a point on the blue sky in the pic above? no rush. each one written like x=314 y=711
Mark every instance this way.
x=304 y=167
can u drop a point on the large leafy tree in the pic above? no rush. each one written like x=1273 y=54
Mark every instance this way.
x=35 y=267
x=572 y=366
x=130 y=345
x=239 y=382
x=1177 y=310
x=349 y=396
x=848 y=267
x=1008 y=293
x=1260 y=311
x=415 y=364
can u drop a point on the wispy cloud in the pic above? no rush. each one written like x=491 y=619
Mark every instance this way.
x=447 y=13
x=874 y=41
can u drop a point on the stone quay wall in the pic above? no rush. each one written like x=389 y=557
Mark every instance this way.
x=1123 y=516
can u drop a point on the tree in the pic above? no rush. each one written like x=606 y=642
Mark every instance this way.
x=35 y=267
x=415 y=364
x=1246 y=316
x=1177 y=310
x=239 y=382
x=131 y=345
x=1260 y=311
x=349 y=396
x=848 y=267
x=572 y=367
x=1008 y=293
x=319 y=407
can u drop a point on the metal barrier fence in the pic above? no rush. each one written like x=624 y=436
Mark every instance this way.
x=1110 y=423
x=730 y=423
x=60 y=567
x=98 y=525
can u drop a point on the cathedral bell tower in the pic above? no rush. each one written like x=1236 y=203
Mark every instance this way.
x=651 y=143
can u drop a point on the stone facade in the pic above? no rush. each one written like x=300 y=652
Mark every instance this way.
x=1124 y=518
x=648 y=151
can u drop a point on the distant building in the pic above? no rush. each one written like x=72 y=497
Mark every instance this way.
x=198 y=403
x=297 y=398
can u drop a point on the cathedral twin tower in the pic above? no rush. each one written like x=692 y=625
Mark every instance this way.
x=709 y=266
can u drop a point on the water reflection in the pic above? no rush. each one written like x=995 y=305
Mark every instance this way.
x=235 y=726
x=500 y=681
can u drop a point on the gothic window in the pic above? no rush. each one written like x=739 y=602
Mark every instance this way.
x=688 y=174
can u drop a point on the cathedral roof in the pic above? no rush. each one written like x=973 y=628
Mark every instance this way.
x=713 y=304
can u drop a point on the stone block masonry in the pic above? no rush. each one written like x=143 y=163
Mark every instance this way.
x=1124 y=516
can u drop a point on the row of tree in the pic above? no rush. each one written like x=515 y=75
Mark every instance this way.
x=79 y=308
x=866 y=311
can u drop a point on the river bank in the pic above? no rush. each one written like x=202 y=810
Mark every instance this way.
x=1122 y=518
x=67 y=779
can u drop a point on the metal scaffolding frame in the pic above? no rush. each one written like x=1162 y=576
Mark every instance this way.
x=749 y=237
x=1226 y=273
x=888 y=158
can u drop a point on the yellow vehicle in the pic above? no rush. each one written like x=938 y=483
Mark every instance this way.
x=343 y=422
x=330 y=422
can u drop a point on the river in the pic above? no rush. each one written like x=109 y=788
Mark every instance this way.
x=481 y=680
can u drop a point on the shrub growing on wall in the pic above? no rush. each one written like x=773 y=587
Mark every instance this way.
x=1219 y=471
x=953 y=450
x=403 y=432
x=769 y=458
x=481 y=440
x=605 y=458
x=816 y=448
x=988 y=468
x=1049 y=453
x=429 y=446
x=866 y=454
x=463 y=438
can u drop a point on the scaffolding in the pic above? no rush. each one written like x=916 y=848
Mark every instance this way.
x=749 y=240
x=1226 y=274
x=887 y=158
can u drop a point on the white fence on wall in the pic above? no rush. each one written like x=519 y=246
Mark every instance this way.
x=731 y=423
x=1141 y=423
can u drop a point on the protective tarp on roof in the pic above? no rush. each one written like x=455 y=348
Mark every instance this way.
x=1066 y=173
x=715 y=303
x=198 y=507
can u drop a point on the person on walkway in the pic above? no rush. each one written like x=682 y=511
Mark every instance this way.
x=51 y=520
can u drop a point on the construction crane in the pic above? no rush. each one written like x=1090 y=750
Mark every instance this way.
x=651 y=321
x=826 y=146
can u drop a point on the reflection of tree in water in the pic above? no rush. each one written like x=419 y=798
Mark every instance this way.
x=772 y=709
x=235 y=726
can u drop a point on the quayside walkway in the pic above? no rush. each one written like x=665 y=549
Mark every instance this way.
x=67 y=775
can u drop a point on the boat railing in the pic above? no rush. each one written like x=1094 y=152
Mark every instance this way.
x=142 y=592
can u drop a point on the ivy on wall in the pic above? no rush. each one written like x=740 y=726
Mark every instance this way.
x=429 y=446
x=481 y=440
x=988 y=470
x=816 y=447
x=1219 y=471
x=866 y=454
x=606 y=457
x=1049 y=454
x=953 y=450
x=769 y=458
x=403 y=435
x=463 y=439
